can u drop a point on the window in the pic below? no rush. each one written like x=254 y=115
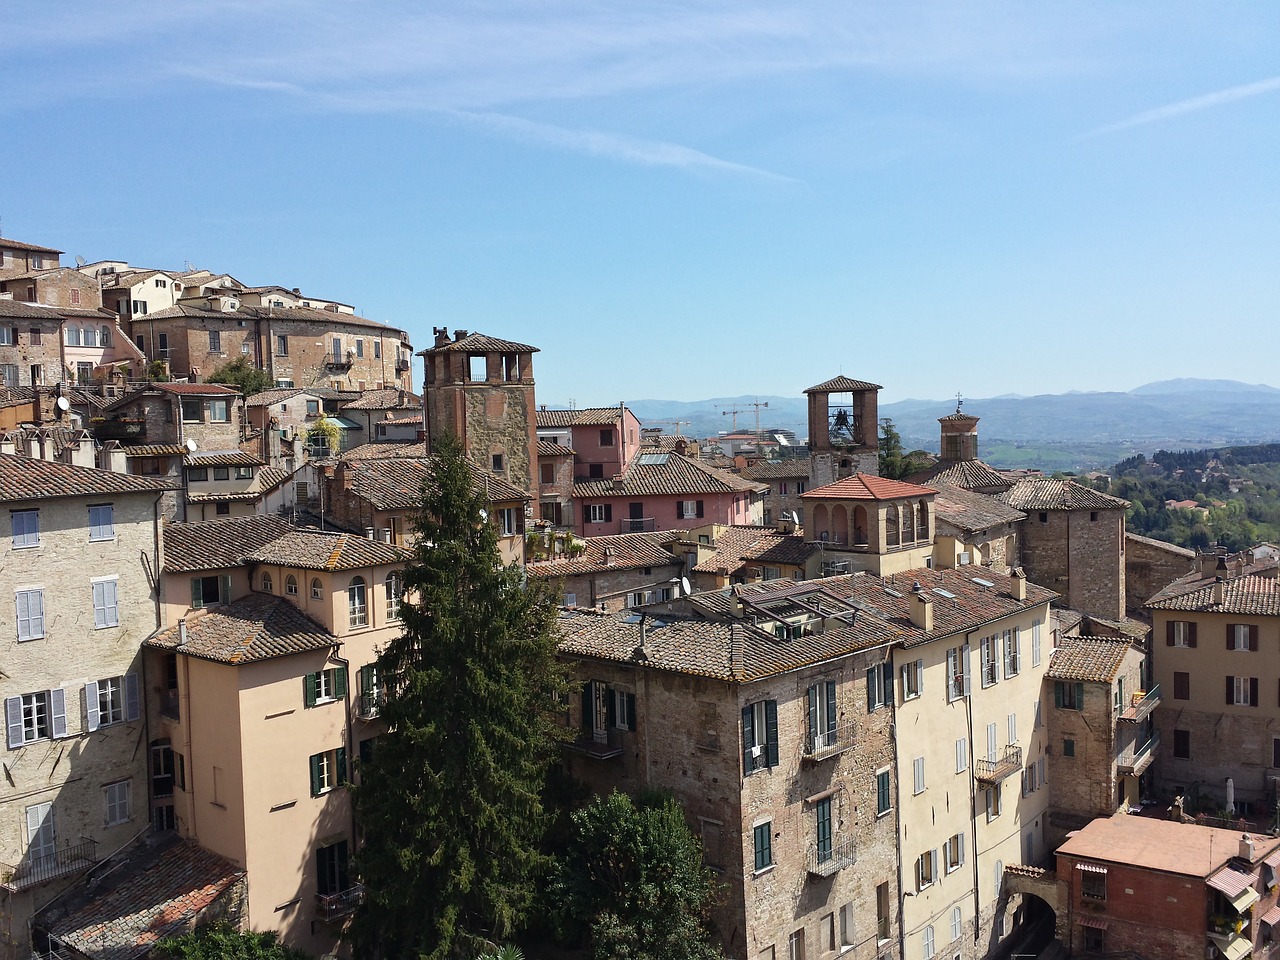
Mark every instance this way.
x=1094 y=941
x=1068 y=747
x=116 y=798
x=162 y=283
x=9 y=374
x=926 y=869
x=507 y=521
x=822 y=823
x=370 y=691
x=1117 y=695
x=359 y=347
x=291 y=586
x=912 y=679
x=102 y=522
x=927 y=942
x=691 y=509
x=26 y=528
x=917 y=775
x=883 y=801
x=1242 y=636
x=161 y=768
x=1182 y=744
x=1180 y=633
x=1012 y=641
x=215 y=341
x=546 y=473
x=760 y=735
x=377 y=350
x=990 y=672
x=218 y=412
x=624 y=710
x=105 y=611
x=332 y=875
x=953 y=854
x=1013 y=728
x=325 y=686
x=207 y=591
x=30 y=603
x=328 y=770
x=1093 y=882
x=1181 y=685
x=282 y=345
x=192 y=411
x=763 y=833
x=197 y=474
x=35 y=716
x=1068 y=696
x=357 y=603
x=879 y=686
x=958 y=672
x=317 y=590
x=957 y=923
x=267 y=585
x=962 y=755
x=992 y=802
x=847 y=926
x=8 y=336
x=822 y=715
x=1035 y=643
x=395 y=591
x=1242 y=691
x=113 y=700
x=606 y=438
x=497 y=463
x=599 y=513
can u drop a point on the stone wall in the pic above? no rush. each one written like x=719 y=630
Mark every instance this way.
x=1150 y=566
x=1080 y=554
x=38 y=343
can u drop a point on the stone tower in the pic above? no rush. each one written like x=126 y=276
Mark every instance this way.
x=480 y=389
x=959 y=437
x=844 y=430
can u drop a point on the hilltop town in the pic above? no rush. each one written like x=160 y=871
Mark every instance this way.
x=956 y=712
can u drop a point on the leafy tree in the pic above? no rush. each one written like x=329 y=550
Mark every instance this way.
x=323 y=437
x=633 y=875
x=890 y=450
x=451 y=801
x=224 y=942
x=243 y=374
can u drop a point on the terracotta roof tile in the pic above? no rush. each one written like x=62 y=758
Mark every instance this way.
x=314 y=550
x=967 y=474
x=24 y=478
x=269 y=398
x=843 y=384
x=1045 y=493
x=254 y=628
x=389 y=399
x=9 y=244
x=667 y=475
x=277 y=315
x=1165 y=845
x=1088 y=659
x=396 y=483
x=387 y=450
x=221 y=543
x=971 y=511
x=783 y=470
x=586 y=417
x=222 y=458
x=155 y=450
x=1250 y=595
x=196 y=389
x=479 y=343
x=548 y=449
x=19 y=310
x=864 y=486
x=628 y=551
x=741 y=546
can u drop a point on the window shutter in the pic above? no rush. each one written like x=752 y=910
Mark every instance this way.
x=1191 y=633
x=587 y=708
x=1231 y=687
x=748 y=736
x=1253 y=637
x=610 y=708
x=197 y=599
x=1079 y=696
x=224 y=593
x=13 y=720
x=966 y=655
x=91 y=706
x=340 y=761
x=831 y=706
x=608 y=513
x=340 y=682
x=366 y=679
x=1253 y=691
x=871 y=689
x=771 y=730
x=132 y=702
x=920 y=872
x=310 y=689
x=700 y=511
x=1057 y=694
x=1231 y=628
x=813 y=714
x=919 y=676
x=1168 y=633
x=960 y=755
x=99 y=605
x=315 y=775
x=886 y=681
x=58 y=712
x=631 y=712
x=961 y=838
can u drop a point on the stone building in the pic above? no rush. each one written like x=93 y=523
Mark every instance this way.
x=208 y=414
x=787 y=480
x=31 y=348
x=1101 y=731
x=844 y=430
x=1150 y=566
x=609 y=573
x=81 y=553
x=971 y=528
x=867 y=522
x=958 y=464
x=555 y=484
x=375 y=409
x=18 y=259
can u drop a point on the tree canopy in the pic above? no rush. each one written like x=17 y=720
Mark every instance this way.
x=243 y=374
x=894 y=464
x=223 y=942
x=450 y=802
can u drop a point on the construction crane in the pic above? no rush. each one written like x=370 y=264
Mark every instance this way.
x=676 y=423
x=755 y=405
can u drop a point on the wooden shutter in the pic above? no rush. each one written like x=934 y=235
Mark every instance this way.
x=91 y=706
x=132 y=702
x=315 y=774
x=340 y=763
x=1057 y=694
x=224 y=588
x=608 y=513
x=748 y=736
x=700 y=510
x=1191 y=633
x=1253 y=691
x=631 y=711
x=1253 y=637
x=813 y=714
x=1168 y=633
x=588 y=708
x=1231 y=631
x=610 y=708
x=1079 y=696
x=58 y=712
x=872 y=676
x=771 y=731
x=340 y=682
x=197 y=595
x=1231 y=689
x=831 y=706
x=886 y=681
x=920 y=676
x=310 y=689
x=13 y=720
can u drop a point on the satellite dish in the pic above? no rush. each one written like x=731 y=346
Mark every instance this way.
x=63 y=404
x=684 y=586
x=484 y=514
x=191 y=445
x=80 y=261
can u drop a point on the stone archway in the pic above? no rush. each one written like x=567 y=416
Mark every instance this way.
x=1040 y=917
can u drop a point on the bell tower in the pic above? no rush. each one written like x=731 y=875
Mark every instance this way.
x=844 y=430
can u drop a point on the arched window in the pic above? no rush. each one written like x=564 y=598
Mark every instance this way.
x=957 y=923
x=291 y=586
x=358 y=603
x=999 y=877
x=266 y=582
x=891 y=526
x=90 y=337
x=922 y=520
x=106 y=336
x=394 y=591
x=860 y=526
x=73 y=336
x=928 y=943
x=317 y=591
x=908 y=522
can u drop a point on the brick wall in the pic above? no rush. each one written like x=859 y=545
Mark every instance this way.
x=39 y=344
x=1150 y=565
x=1079 y=553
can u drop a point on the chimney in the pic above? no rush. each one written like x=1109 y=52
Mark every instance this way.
x=786 y=526
x=460 y=334
x=1246 y=848
x=1207 y=563
x=368 y=533
x=1219 y=591
x=182 y=632
x=921 y=607
x=608 y=556
x=1018 y=583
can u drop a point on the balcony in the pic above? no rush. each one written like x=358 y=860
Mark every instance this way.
x=1141 y=706
x=169 y=705
x=993 y=771
x=637 y=525
x=1133 y=762
x=335 y=906
x=602 y=745
x=829 y=744
x=32 y=872
x=339 y=361
x=106 y=430
x=402 y=365
x=369 y=706
x=824 y=860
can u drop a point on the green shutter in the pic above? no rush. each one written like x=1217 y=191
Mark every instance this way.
x=340 y=682
x=771 y=730
x=340 y=760
x=1079 y=696
x=1057 y=694
x=366 y=680
x=813 y=714
x=197 y=595
x=631 y=712
x=831 y=706
x=315 y=774
x=310 y=689
x=224 y=594
x=748 y=737
x=610 y=708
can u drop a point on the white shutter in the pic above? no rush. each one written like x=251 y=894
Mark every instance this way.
x=961 y=836
x=991 y=742
x=99 y=605
x=132 y=702
x=58 y=712
x=13 y=720
x=1013 y=728
x=91 y=706
x=962 y=755
x=919 y=676
x=966 y=654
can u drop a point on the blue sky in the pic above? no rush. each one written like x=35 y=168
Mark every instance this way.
x=685 y=200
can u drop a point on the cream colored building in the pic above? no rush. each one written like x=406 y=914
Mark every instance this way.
x=864 y=522
x=265 y=696
x=77 y=550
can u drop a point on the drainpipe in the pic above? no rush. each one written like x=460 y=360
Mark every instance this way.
x=347 y=706
x=973 y=799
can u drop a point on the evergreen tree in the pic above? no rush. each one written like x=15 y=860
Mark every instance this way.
x=450 y=802
x=890 y=450
x=243 y=374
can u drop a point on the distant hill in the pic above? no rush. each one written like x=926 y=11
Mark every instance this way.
x=1087 y=429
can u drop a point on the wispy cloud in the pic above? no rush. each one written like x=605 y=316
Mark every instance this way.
x=1195 y=104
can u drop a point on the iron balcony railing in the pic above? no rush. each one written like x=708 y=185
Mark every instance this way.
x=829 y=743
x=993 y=771
x=1141 y=706
x=332 y=906
x=369 y=706
x=826 y=859
x=402 y=365
x=1134 y=762
x=637 y=525
x=33 y=871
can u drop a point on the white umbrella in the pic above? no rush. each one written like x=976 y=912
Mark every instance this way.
x=1231 y=795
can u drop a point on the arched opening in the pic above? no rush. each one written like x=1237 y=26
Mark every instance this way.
x=891 y=538
x=839 y=525
x=821 y=523
x=922 y=520
x=860 y=526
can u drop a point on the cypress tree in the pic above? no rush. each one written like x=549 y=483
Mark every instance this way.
x=450 y=802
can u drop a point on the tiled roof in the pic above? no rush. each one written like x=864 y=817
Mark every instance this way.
x=958 y=417
x=629 y=551
x=479 y=343
x=275 y=314
x=670 y=443
x=586 y=417
x=396 y=484
x=196 y=389
x=1164 y=845
x=128 y=909
x=783 y=470
x=1089 y=659
x=386 y=450
x=24 y=478
x=18 y=310
x=8 y=244
x=222 y=458
x=971 y=511
x=1171 y=548
x=257 y=627
x=1045 y=493
x=548 y=449
x=56 y=436
x=269 y=398
x=969 y=474
x=675 y=475
x=249 y=496
x=402 y=421
x=314 y=550
x=1249 y=595
x=843 y=385
x=155 y=450
x=217 y=544
x=739 y=546
x=864 y=486
x=270 y=477
x=389 y=399
x=130 y=278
